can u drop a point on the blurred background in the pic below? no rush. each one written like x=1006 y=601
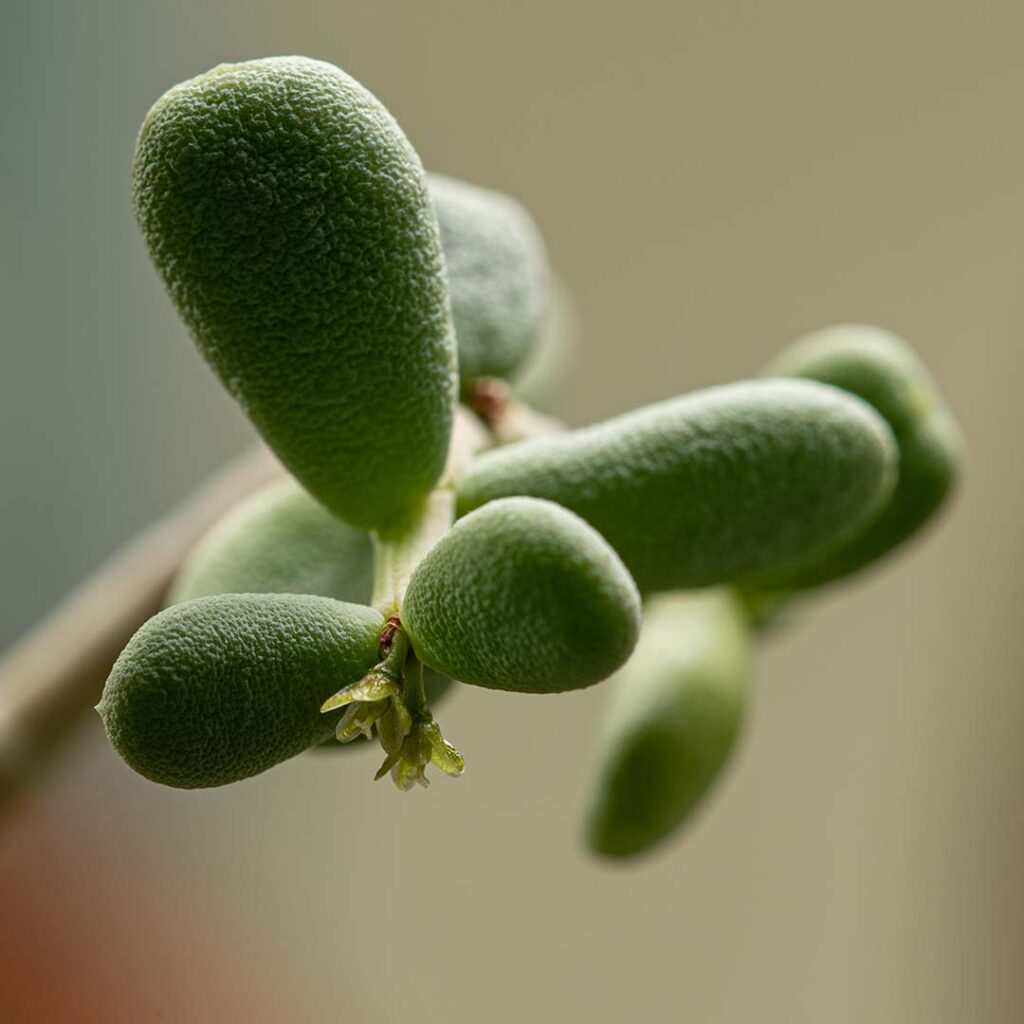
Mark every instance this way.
x=713 y=179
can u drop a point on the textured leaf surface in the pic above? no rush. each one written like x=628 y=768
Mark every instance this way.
x=282 y=541
x=291 y=222
x=884 y=371
x=221 y=688
x=712 y=486
x=672 y=720
x=497 y=275
x=279 y=541
x=522 y=595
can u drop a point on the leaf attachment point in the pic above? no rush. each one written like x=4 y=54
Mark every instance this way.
x=391 y=697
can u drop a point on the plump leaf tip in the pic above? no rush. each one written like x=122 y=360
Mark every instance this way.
x=713 y=486
x=291 y=222
x=883 y=370
x=217 y=689
x=497 y=274
x=671 y=721
x=522 y=595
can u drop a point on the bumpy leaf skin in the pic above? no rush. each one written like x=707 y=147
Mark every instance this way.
x=712 y=486
x=672 y=721
x=280 y=540
x=497 y=275
x=884 y=371
x=522 y=595
x=291 y=222
x=222 y=688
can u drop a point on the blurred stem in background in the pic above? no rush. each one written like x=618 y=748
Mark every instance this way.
x=54 y=674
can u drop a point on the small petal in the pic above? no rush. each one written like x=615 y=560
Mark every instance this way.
x=448 y=759
x=442 y=754
x=406 y=775
x=416 y=749
x=349 y=725
x=403 y=716
x=358 y=720
x=341 y=699
x=392 y=728
x=389 y=762
x=372 y=687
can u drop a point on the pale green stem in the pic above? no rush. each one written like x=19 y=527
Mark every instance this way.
x=415 y=695
x=395 y=661
x=396 y=555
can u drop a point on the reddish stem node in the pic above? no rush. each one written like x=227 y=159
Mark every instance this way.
x=489 y=399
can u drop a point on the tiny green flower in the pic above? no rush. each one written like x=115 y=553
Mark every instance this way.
x=424 y=745
x=391 y=697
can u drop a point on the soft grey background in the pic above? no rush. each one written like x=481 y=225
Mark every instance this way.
x=713 y=179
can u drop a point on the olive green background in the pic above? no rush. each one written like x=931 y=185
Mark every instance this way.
x=713 y=179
